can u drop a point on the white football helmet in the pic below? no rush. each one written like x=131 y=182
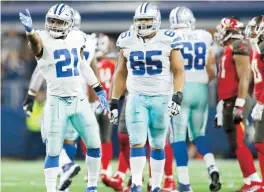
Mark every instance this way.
x=77 y=19
x=182 y=17
x=147 y=11
x=59 y=21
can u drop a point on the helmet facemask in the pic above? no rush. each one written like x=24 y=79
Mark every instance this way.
x=58 y=28
x=255 y=29
x=145 y=26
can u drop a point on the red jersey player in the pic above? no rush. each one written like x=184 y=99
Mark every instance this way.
x=233 y=83
x=255 y=32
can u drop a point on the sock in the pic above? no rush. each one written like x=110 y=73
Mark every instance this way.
x=83 y=147
x=181 y=157
x=51 y=162
x=121 y=174
x=70 y=150
x=107 y=153
x=125 y=146
x=255 y=177
x=51 y=171
x=168 y=160
x=157 y=162
x=51 y=175
x=260 y=149
x=122 y=164
x=243 y=154
x=93 y=161
x=64 y=158
x=210 y=162
x=137 y=164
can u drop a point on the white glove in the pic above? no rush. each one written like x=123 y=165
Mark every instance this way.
x=219 y=114
x=26 y=20
x=174 y=106
x=257 y=112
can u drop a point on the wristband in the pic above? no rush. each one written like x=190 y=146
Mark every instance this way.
x=177 y=97
x=114 y=103
x=31 y=93
x=30 y=32
x=98 y=87
x=240 y=102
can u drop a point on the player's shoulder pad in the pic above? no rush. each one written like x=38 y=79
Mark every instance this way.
x=125 y=39
x=261 y=48
x=172 y=37
x=43 y=34
x=206 y=35
x=241 y=47
x=78 y=36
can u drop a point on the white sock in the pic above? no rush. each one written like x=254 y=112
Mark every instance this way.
x=210 y=162
x=64 y=158
x=93 y=165
x=120 y=174
x=51 y=175
x=183 y=175
x=255 y=177
x=157 y=169
x=137 y=165
x=168 y=177
x=247 y=181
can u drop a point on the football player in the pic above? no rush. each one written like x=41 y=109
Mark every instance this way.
x=59 y=52
x=150 y=66
x=199 y=71
x=67 y=155
x=105 y=68
x=255 y=32
x=233 y=84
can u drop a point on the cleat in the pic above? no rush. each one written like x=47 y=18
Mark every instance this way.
x=253 y=187
x=184 y=188
x=215 y=184
x=69 y=171
x=91 y=189
x=157 y=189
x=135 y=188
x=104 y=179
x=116 y=183
x=66 y=190
x=169 y=185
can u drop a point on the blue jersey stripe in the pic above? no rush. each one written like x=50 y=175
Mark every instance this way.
x=61 y=9
x=56 y=8
x=145 y=10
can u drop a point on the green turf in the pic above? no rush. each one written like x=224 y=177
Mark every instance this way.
x=19 y=176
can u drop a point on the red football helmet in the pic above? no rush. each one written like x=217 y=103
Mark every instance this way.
x=229 y=28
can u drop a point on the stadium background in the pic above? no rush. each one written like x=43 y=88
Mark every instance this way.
x=111 y=18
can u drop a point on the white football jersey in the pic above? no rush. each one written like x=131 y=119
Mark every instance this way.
x=59 y=63
x=196 y=46
x=148 y=62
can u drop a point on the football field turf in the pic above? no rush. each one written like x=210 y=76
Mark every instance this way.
x=21 y=176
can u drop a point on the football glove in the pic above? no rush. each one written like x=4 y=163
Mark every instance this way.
x=238 y=110
x=113 y=116
x=28 y=103
x=218 y=121
x=26 y=20
x=101 y=95
x=174 y=106
x=257 y=112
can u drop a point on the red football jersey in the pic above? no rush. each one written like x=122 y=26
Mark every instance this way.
x=257 y=66
x=106 y=69
x=227 y=76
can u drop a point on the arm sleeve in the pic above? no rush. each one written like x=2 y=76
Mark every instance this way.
x=88 y=73
x=36 y=80
x=241 y=47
